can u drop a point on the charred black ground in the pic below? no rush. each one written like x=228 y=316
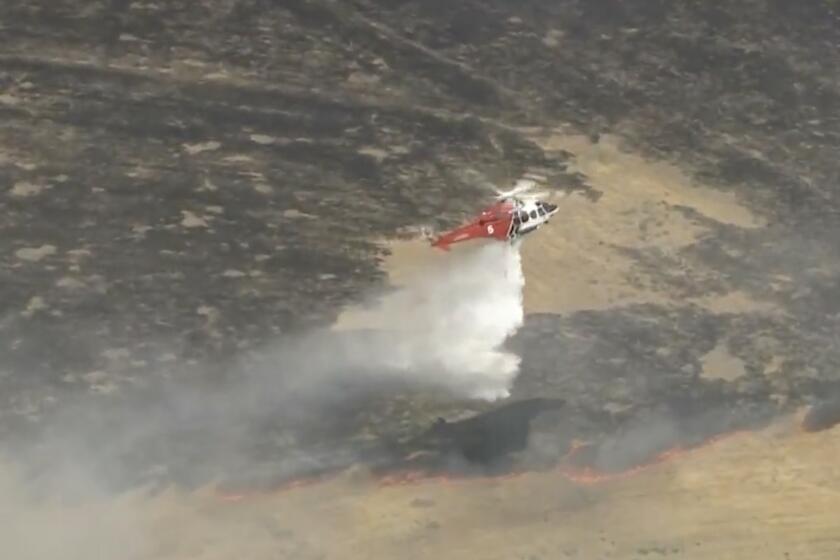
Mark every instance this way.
x=186 y=183
x=824 y=415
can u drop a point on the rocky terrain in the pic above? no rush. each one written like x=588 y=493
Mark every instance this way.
x=184 y=186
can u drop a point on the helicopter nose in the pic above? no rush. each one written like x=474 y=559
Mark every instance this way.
x=550 y=208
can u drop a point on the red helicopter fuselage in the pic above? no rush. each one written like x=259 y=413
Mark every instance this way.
x=506 y=220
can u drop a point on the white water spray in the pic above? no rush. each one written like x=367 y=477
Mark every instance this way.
x=448 y=323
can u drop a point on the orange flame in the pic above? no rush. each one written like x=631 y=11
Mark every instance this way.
x=583 y=476
x=589 y=475
x=287 y=486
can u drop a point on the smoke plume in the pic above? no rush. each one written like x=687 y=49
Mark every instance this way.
x=444 y=328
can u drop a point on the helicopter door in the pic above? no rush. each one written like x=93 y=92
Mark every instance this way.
x=515 y=224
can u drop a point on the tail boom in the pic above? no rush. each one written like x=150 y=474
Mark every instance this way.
x=499 y=229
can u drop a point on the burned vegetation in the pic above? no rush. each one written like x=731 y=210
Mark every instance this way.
x=185 y=184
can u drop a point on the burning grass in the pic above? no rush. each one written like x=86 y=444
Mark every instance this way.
x=576 y=466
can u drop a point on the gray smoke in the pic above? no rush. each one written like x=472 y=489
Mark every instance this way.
x=289 y=408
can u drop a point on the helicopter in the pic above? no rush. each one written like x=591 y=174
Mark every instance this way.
x=515 y=213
